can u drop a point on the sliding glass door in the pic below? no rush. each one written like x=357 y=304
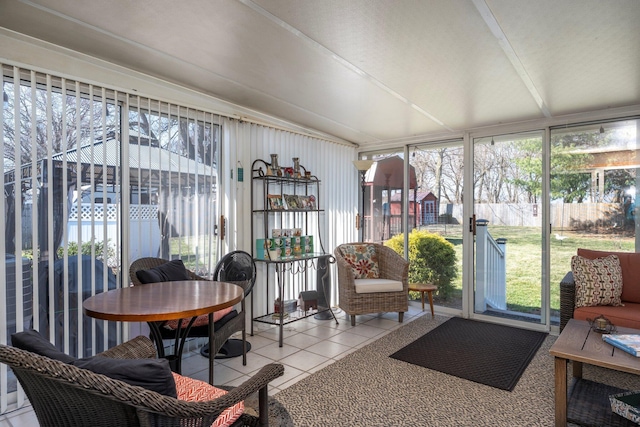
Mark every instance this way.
x=507 y=226
x=594 y=189
x=439 y=171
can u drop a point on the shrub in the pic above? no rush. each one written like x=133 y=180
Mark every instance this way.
x=98 y=250
x=432 y=259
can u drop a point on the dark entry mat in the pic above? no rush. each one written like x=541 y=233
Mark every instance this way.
x=486 y=353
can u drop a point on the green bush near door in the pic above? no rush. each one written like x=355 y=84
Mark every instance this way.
x=432 y=259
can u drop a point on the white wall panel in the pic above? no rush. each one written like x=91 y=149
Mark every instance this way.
x=338 y=192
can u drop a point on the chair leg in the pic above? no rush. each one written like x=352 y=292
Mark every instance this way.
x=263 y=407
x=400 y=316
x=353 y=320
x=244 y=348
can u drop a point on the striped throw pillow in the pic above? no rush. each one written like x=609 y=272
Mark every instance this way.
x=193 y=390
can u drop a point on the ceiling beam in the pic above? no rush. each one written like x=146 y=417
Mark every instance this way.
x=496 y=30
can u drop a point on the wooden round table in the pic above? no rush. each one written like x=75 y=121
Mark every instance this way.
x=422 y=288
x=155 y=303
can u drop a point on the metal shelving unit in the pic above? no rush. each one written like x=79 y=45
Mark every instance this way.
x=288 y=275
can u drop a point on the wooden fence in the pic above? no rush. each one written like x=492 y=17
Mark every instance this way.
x=564 y=216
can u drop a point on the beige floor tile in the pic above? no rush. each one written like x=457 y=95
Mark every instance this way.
x=348 y=338
x=275 y=352
x=304 y=360
x=328 y=349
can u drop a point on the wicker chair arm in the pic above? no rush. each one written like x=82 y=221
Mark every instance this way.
x=194 y=276
x=139 y=347
x=345 y=276
x=54 y=374
x=567 y=299
x=182 y=409
x=392 y=266
x=256 y=383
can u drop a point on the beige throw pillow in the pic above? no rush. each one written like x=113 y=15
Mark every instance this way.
x=598 y=281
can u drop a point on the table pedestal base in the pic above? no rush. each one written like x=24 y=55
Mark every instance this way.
x=231 y=348
x=175 y=359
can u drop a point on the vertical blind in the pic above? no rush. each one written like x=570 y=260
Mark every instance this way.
x=94 y=178
x=82 y=164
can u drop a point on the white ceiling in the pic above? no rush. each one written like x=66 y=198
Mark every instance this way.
x=367 y=71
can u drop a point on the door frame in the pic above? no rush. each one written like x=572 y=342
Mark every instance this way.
x=468 y=235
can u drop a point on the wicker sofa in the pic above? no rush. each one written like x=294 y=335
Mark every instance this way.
x=391 y=268
x=66 y=395
x=627 y=315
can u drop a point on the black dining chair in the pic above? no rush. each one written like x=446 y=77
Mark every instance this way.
x=236 y=267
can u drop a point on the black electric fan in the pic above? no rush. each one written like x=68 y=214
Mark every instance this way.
x=236 y=267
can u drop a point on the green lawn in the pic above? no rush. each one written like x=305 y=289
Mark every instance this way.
x=524 y=255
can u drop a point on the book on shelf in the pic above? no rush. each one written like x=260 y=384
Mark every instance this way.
x=627 y=342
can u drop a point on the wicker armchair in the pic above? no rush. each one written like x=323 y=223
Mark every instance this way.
x=65 y=395
x=229 y=324
x=391 y=266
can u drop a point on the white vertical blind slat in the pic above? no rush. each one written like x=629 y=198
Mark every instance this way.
x=92 y=239
x=3 y=270
x=105 y=215
x=79 y=227
x=65 y=213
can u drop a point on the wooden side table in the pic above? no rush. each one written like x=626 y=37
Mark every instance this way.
x=422 y=288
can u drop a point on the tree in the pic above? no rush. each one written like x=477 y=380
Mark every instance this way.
x=617 y=182
x=529 y=166
x=180 y=135
x=440 y=171
x=493 y=173
x=569 y=181
x=570 y=174
x=82 y=119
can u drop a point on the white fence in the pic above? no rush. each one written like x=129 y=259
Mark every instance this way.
x=104 y=226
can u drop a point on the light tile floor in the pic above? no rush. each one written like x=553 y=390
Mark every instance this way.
x=309 y=345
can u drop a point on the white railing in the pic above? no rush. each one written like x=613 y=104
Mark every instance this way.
x=491 y=274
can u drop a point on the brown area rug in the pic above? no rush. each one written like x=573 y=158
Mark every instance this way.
x=367 y=388
x=486 y=353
